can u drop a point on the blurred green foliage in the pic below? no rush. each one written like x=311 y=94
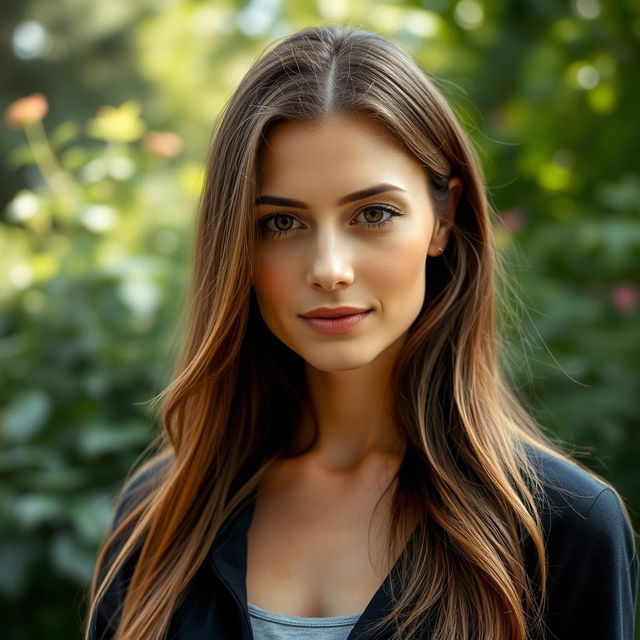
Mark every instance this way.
x=98 y=203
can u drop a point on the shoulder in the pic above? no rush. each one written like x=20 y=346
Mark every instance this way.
x=581 y=514
x=107 y=610
x=144 y=480
x=569 y=489
x=591 y=557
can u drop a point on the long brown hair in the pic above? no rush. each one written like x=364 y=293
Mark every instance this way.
x=466 y=468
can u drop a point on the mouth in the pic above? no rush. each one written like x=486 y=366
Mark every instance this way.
x=338 y=324
x=334 y=312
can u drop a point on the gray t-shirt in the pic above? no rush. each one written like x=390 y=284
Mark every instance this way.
x=269 y=625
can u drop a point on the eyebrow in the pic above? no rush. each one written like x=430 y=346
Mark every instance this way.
x=351 y=197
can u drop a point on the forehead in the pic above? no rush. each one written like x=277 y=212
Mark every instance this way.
x=349 y=148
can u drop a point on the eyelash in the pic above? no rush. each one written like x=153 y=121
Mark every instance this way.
x=278 y=233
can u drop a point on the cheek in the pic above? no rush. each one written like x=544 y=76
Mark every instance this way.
x=270 y=279
x=401 y=267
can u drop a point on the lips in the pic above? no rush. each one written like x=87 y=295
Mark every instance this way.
x=334 y=312
x=337 y=325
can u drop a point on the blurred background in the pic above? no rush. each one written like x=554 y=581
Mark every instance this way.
x=108 y=110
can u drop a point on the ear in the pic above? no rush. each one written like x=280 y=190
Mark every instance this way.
x=444 y=224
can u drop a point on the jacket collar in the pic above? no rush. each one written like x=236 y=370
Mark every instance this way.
x=228 y=558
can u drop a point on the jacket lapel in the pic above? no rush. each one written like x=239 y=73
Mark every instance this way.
x=228 y=558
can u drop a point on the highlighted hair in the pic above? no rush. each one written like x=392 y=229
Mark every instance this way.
x=466 y=475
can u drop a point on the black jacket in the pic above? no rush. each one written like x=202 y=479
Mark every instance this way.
x=592 y=588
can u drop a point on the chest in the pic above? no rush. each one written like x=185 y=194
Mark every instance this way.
x=317 y=549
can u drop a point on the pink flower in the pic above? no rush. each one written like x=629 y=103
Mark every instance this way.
x=26 y=110
x=625 y=297
x=513 y=219
x=164 y=143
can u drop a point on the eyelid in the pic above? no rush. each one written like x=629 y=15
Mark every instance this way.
x=290 y=212
x=394 y=214
x=262 y=221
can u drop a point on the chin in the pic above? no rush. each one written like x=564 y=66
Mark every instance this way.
x=337 y=357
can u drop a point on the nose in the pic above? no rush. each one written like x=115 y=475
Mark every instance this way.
x=329 y=263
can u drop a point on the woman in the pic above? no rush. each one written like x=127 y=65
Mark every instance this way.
x=370 y=475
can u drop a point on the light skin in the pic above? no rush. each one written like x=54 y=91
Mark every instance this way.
x=330 y=254
x=318 y=538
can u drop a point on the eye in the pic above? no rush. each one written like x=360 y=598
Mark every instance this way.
x=279 y=229
x=379 y=209
x=283 y=222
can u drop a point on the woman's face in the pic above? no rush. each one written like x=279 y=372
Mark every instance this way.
x=328 y=250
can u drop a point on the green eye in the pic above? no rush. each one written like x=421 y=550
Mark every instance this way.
x=385 y=209
x=276 y=232
x=274 y=218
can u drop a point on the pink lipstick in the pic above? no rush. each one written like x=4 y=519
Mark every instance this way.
x=340 y=324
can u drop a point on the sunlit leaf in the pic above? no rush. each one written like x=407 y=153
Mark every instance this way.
x=34 y=509
x=26 y=415
x=120 y=124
